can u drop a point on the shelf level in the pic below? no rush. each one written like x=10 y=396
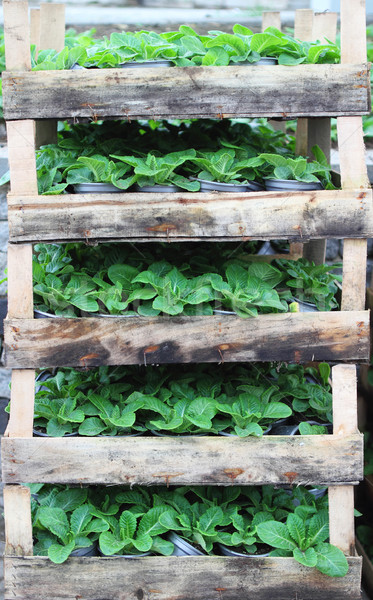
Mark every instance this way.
x=189 y=92
x=296 y=216
x=212 y=460
x=163 y=578
x=299 y=337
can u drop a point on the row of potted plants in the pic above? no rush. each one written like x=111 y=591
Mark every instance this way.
x=249 y=521
x=148 y=280
x=207 y=155
x=186 y=47
x=247 y=400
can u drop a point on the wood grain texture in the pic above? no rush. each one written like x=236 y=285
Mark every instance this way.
x=22 y=162
x=22 y=404
x=153 y=216
x=305 y=90
x=341 y=500
x=354 y=274
x=299 y=337
x=52 y=26
x=20 y=284
x=35 y=28
x=300 y=460
x=271 y=18
x=175 y=578
x=16 y=35
x=303 y=24
x=18 y=527
x=353 y=31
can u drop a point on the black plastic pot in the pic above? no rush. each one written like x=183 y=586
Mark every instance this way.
x=218 y=186
x=134 y=64
x=291 y=185
x=89 y=551
x=158 y=188
x=96 y=188
x=226 y=551
x=39 y=314
x=182 y=547
x=265 y=60
x=294 y=429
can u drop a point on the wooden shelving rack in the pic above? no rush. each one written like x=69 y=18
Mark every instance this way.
x=31 y=101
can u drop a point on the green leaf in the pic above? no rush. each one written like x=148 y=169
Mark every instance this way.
x=110 y=544
x=92 y=426
x=275 y=534
x=210 y=519
x=58 y=554
x=161 y=546
x=162 y=304
x=55 y=520
x=127 y=524
x=297 y=529
x=80 y=518
x=70 y=499
x=249 y=429
x=318 y=529
x=331 y=560
x=307 y=558
x=216 y=56
x=85 y=303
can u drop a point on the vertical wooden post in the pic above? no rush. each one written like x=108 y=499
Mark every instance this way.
x=315 y=131
x=35 y=28
x=341 y=498
x=271 y=18
x=16 y=35
x=21 y=143
x=18 y=525
x=52 y=35
x=354 y=174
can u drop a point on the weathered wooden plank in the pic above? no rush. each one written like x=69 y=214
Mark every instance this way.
x=265 y=215
x=300 y=460
x=175 y=578
x=83 y=342
x=341 y=500
x=305 y=90
x=18 y=526
x=16 y=35
x=22 y=403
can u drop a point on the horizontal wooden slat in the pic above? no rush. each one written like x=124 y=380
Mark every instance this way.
x=185 y=216
x=277 y=91
x=175 y=578
x=83 y=342
x=300 y=460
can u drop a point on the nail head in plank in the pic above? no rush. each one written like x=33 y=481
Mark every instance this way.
x=16 y=35
x=18 y=527
x=84 y=342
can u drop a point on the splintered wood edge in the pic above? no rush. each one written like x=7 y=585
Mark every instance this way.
x=237 y=216
x=187 y=578
x=299 y=337
x=275 y=460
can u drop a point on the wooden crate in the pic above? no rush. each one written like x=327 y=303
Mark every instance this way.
x=336 y=461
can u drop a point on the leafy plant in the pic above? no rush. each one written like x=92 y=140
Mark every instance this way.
x=305 y=540
x=134 y=534
x=158 y=170
x=63 y=522
x=281 y=167
x=311 y=283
